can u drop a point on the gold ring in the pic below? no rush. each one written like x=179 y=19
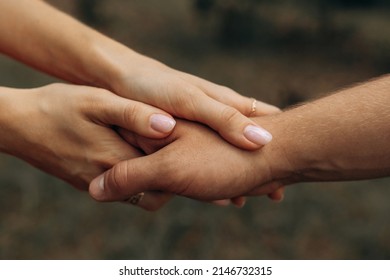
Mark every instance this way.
x=135 y=199
x=253 y=109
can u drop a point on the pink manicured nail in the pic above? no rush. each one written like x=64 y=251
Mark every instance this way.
x=162 y=123
x=257 y=135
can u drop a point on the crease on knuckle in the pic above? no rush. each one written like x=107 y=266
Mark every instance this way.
x=188 y=103
x=230 y=115
x=119 y=178
x=130 y=114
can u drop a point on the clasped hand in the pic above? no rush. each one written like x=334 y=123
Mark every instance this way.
x=79 y=132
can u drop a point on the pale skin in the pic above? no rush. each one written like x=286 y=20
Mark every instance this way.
x=344 y=136
x=66 y=130
x=61 y=46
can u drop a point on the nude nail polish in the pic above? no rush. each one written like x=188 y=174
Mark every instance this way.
x=162 y=123
x=257 y=135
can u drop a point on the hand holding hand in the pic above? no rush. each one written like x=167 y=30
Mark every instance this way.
x=67 y=130
x=192 y=98
x=193 y=162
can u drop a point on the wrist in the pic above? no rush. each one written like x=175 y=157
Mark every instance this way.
x=279 y=154
x=122 y=69
x=110 y=64
x=7 y=118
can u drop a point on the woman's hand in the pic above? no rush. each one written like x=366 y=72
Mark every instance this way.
x=67 y=130
x=185 y=96
x=61 y=46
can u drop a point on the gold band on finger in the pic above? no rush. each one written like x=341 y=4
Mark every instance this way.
x=135 y=199
x=253 y=108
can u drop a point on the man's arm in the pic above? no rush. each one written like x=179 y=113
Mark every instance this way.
x=49 y=40
x=344 y=136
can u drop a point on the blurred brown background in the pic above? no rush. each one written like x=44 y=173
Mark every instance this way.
x=280 y=51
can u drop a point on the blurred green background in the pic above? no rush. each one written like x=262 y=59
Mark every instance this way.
x=279 y=51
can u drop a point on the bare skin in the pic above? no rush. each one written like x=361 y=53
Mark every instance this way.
x=63 y=47
x=66 y=130
x=345 y=136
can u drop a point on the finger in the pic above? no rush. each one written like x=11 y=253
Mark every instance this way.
x=127 y=178
x=263 y=109
x=152 y=200
x=230 y=97
x=233 y=126
x=266 y=189
x=147 y=145
x=239 y=202
x=222 y=202
x=135 y=116
x=277 y=195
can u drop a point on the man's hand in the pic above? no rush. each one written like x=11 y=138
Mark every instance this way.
x=193 y=162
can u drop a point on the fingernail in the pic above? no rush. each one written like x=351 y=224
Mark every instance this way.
x=162 y=123
x=257 y=135
x=281 y=198
x=96 y=188
x=241 y=204
x=222 y=202
x=101 y=183
x=277 y=199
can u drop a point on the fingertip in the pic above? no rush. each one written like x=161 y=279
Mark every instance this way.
x=251 y=137
x=277 y=196
x=222 y=202
x=257 y=135
x=96 y=188
x=239 y=202
x=162 y=123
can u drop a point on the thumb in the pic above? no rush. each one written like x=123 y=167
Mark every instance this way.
x=138 y=117
x=125 y=179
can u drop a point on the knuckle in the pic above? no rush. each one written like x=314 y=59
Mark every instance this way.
x=89 y=102
x=117 y=179
x=228 y=91
x=131 y=113
x=175 y=172
x=240 y=102
x=188 y=102
x=230 y=114
x=245 y=107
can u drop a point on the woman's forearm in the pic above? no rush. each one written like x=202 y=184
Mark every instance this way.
x=39 y=35
x=344 y=136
